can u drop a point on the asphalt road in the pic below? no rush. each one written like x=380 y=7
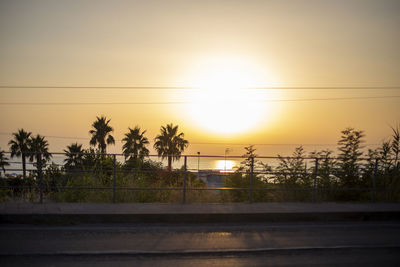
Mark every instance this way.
x=295 y=244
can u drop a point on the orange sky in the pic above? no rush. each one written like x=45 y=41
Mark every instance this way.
x=192 y=43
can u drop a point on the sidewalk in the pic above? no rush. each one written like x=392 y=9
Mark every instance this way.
x=75 y=213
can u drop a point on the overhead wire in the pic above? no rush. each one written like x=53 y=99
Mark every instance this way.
x=201 y=143
x=188 y=102
x=191 y=102
x=196 y=87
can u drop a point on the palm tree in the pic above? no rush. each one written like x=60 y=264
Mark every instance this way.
x=101 y=134
x=19 y=147
x=38 y=145
x=3 y=161
x=74 y=154
x=135 y=144
x=169 y=144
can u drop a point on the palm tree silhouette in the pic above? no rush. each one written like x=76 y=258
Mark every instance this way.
x=38 y=145
x=135 y=144
x=19 y=146
x=169 y=144
x=3 y=161
x=101 y=134
x=74 y=154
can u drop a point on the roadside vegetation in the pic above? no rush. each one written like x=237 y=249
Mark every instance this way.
x=87 y=175
x=348 y=176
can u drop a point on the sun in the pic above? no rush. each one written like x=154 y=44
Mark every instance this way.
x=227 y=100
x=225 y=165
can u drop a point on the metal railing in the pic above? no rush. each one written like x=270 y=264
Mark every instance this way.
x=250 y=173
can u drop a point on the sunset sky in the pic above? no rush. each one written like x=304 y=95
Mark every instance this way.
x=219 y=54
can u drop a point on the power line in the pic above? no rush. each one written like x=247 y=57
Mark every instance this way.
x=103 y=87
x=198 y=143
x=196 y=87
x=255 y=144
x=188 y=102
x=57 y=137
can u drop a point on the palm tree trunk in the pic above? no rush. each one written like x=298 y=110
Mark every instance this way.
x=169 y=163
x=23 y=166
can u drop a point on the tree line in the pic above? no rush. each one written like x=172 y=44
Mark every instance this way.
x=349 y=175
x=343 y=176
x=169 y=144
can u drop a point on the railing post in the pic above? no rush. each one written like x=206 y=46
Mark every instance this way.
x=251 y=179
x=184 y=180
x=314 y=192
x=114 y=176
x=40 y=174
x=374 y=181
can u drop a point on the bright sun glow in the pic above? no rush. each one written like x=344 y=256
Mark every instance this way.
x=225 y=102
x=225 y=165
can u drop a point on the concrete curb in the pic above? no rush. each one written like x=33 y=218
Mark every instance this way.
x=220 y=252
x=177 y=218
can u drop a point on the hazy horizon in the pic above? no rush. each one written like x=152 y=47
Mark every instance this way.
x=219 y=46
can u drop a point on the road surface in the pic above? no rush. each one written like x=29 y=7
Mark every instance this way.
x=290 y=244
